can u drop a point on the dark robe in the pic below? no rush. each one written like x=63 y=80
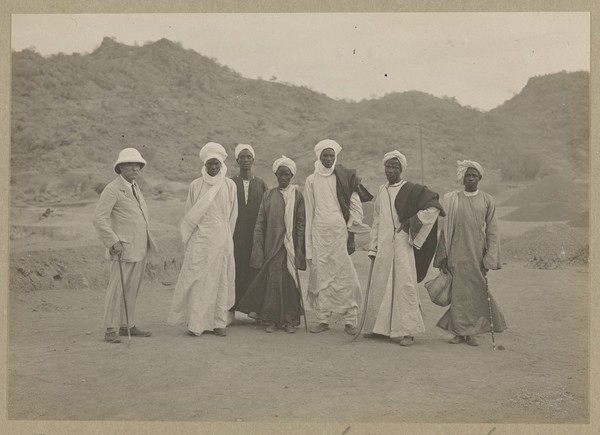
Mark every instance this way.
x=244 y=232
x=348 y=182
x=273 y=293
x=410 y=200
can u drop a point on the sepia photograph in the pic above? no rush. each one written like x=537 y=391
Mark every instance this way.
x=299 y=218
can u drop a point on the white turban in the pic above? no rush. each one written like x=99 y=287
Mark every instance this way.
x=241 y=147
x=284 y=161
x=396 y=155
x=213 y=150
x=327 y=143
x=462 y=169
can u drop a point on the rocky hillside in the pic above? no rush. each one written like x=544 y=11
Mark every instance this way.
x=71 y=114
x=548 y=121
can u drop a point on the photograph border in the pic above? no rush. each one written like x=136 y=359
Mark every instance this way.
x=8 y=7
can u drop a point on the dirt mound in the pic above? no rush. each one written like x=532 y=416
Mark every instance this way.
x=550 y=189
x=58 y=269
x=84 y=266
x=548 y=212
x=46 y=232
x=555 y=243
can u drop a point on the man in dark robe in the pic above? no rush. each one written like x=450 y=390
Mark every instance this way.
x=250 y=190
x=274 y=295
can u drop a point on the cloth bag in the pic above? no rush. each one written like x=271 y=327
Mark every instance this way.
x=439 y=289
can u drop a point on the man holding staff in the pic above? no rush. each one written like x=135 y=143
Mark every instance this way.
x=121 y=220
x=274 y=297
x=468 y=247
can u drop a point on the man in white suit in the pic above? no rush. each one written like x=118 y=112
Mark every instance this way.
x=121 y=220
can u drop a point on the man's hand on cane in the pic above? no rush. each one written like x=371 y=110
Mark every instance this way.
x=444 y=265
x=116 y=249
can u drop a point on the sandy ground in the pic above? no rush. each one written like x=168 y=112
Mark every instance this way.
x=61 y=369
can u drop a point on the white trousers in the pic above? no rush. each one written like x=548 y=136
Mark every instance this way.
x=114 y=307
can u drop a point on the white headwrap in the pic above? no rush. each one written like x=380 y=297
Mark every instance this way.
x=462 y=169
x=284 y=161
x=241 y=147
x=324 y=144
x=213 y=150
x=396 y=155
x=327 y=143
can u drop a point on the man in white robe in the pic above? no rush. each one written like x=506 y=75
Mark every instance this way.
x=205 y=289
x=333 y=284
x=404 y=222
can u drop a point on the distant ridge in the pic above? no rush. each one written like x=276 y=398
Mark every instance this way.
x=74 y=113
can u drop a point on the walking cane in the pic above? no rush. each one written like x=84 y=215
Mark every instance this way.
x=301 y=298
x=364 y=314
x=124 y=302
x=487 y=288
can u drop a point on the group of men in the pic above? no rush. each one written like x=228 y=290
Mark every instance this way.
x=245 y=243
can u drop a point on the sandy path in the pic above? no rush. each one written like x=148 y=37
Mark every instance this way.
x=59 y=367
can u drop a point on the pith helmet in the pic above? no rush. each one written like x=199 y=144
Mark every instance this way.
x=129 y=155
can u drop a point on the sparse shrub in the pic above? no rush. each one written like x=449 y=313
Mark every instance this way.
x=38 y=186
x=524 y=167
x=71 y=182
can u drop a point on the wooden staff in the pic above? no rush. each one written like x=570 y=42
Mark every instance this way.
x=124 y=302
x=489 y=299
x=364 y=314
x=301 y=298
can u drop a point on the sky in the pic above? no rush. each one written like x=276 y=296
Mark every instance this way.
x=481 y=59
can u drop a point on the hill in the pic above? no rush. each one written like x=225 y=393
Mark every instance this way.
x=553 y=188
x=548 y=123
x=74 y=113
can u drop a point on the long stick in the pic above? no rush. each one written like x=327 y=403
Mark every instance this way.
x=124 y=302
x=301 y=298
x=487 y=288
x=393 y=281
x=364 y=314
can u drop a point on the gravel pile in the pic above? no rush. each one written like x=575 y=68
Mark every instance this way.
x=555 y=242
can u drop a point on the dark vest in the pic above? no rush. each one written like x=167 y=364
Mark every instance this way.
x=347 y=182
x=410 y=200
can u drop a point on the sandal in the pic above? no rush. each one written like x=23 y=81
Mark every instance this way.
x=457 y=339
x=471 y=341
x=220 y=332
x=407 y=340
x=321 y=327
